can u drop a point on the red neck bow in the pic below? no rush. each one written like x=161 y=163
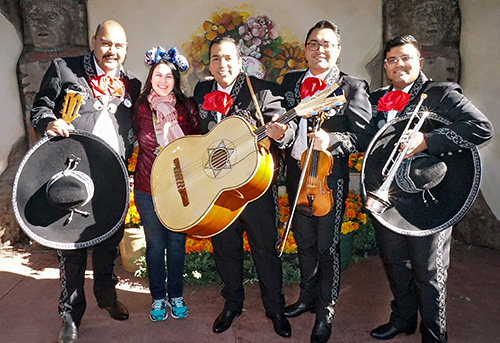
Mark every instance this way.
x=394 y=100
x=310 y=86
x=217 y=101
x=107 y=85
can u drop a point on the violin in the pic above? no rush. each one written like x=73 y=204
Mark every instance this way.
x=314 y=197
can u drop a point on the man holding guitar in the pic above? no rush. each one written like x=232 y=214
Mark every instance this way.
x=318 y=234
x=231 y=93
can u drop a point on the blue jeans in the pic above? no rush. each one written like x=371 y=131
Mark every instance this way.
x=159 y=238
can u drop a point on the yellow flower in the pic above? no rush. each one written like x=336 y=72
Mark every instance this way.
x=221 y=23
x=356 y=162
x=362 y=218
x=289 y=57
x=133 y=218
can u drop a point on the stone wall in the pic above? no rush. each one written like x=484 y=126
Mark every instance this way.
x=9 y=229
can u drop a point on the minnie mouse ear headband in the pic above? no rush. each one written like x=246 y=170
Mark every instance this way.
x=155 y=55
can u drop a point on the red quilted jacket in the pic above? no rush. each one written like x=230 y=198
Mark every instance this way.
x=145 y=134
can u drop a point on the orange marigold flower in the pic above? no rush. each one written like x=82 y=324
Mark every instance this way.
x=132 y=161
x=350 y=213
x=349 y=205
x=246 y=245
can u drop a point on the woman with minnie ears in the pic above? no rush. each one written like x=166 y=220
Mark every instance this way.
x=162 y=114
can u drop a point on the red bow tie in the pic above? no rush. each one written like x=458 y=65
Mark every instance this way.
x=394 y=100
x=107 y=85
x=217 y=101
x=310 y=86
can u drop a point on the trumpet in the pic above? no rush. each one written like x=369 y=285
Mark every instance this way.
x=378 y=201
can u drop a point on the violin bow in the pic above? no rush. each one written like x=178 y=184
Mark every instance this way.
x=307 y=161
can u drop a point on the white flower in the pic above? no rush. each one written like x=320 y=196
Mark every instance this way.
x=253 y=51
x=196 y=274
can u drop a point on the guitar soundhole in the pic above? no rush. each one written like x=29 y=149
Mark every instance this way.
x=218 y=159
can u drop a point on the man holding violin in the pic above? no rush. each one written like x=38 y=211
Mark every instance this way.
x=318 y=235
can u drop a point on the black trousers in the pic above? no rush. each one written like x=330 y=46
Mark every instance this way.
x=417 y=269
x=318 y=242
x=72 y=265
x=259 y=220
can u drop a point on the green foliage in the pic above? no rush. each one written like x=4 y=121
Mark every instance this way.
x=364 y=242
x=200 y=269
x=291 y=270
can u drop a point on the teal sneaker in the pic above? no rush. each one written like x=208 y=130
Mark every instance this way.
x=158 y=311
x=178 y=307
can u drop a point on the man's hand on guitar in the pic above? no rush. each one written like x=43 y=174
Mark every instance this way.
x=59 y=127
x=276 y=130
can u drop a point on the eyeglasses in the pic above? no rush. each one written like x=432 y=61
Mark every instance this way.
x=391 y=61
x=314 y=45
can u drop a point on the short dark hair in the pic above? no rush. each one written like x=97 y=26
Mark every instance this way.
x=223 y=39
x=401 y=40
x=325 y=24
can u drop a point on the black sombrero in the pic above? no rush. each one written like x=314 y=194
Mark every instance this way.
x=71 y=193
x=429 y=193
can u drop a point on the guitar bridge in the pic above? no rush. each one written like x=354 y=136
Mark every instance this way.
x=179 y=181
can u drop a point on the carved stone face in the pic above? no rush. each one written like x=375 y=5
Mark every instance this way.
x=48 y=25
x=429 y=23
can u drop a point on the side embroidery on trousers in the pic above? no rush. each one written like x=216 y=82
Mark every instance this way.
x=441 y=285
x=336 y=257
x=64 y=290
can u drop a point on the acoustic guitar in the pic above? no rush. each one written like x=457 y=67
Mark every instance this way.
x=201 y=183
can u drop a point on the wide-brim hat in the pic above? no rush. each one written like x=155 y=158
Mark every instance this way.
x=45 y=209
x=428 y=193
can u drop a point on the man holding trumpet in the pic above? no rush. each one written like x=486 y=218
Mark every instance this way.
x=416 y=264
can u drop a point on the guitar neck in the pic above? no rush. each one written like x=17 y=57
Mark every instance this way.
x=306 y=109
x=283 y=119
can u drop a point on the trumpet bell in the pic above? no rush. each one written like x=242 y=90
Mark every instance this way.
x=376 y=204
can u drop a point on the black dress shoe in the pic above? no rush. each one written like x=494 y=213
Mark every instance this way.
x=296 y=309
x=388 y=331
x=321 y=332
x=281 y=325
x=224 y=320
x=117 y=310
x=68 y=333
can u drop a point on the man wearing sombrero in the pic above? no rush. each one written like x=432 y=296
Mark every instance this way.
x=108 y=91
